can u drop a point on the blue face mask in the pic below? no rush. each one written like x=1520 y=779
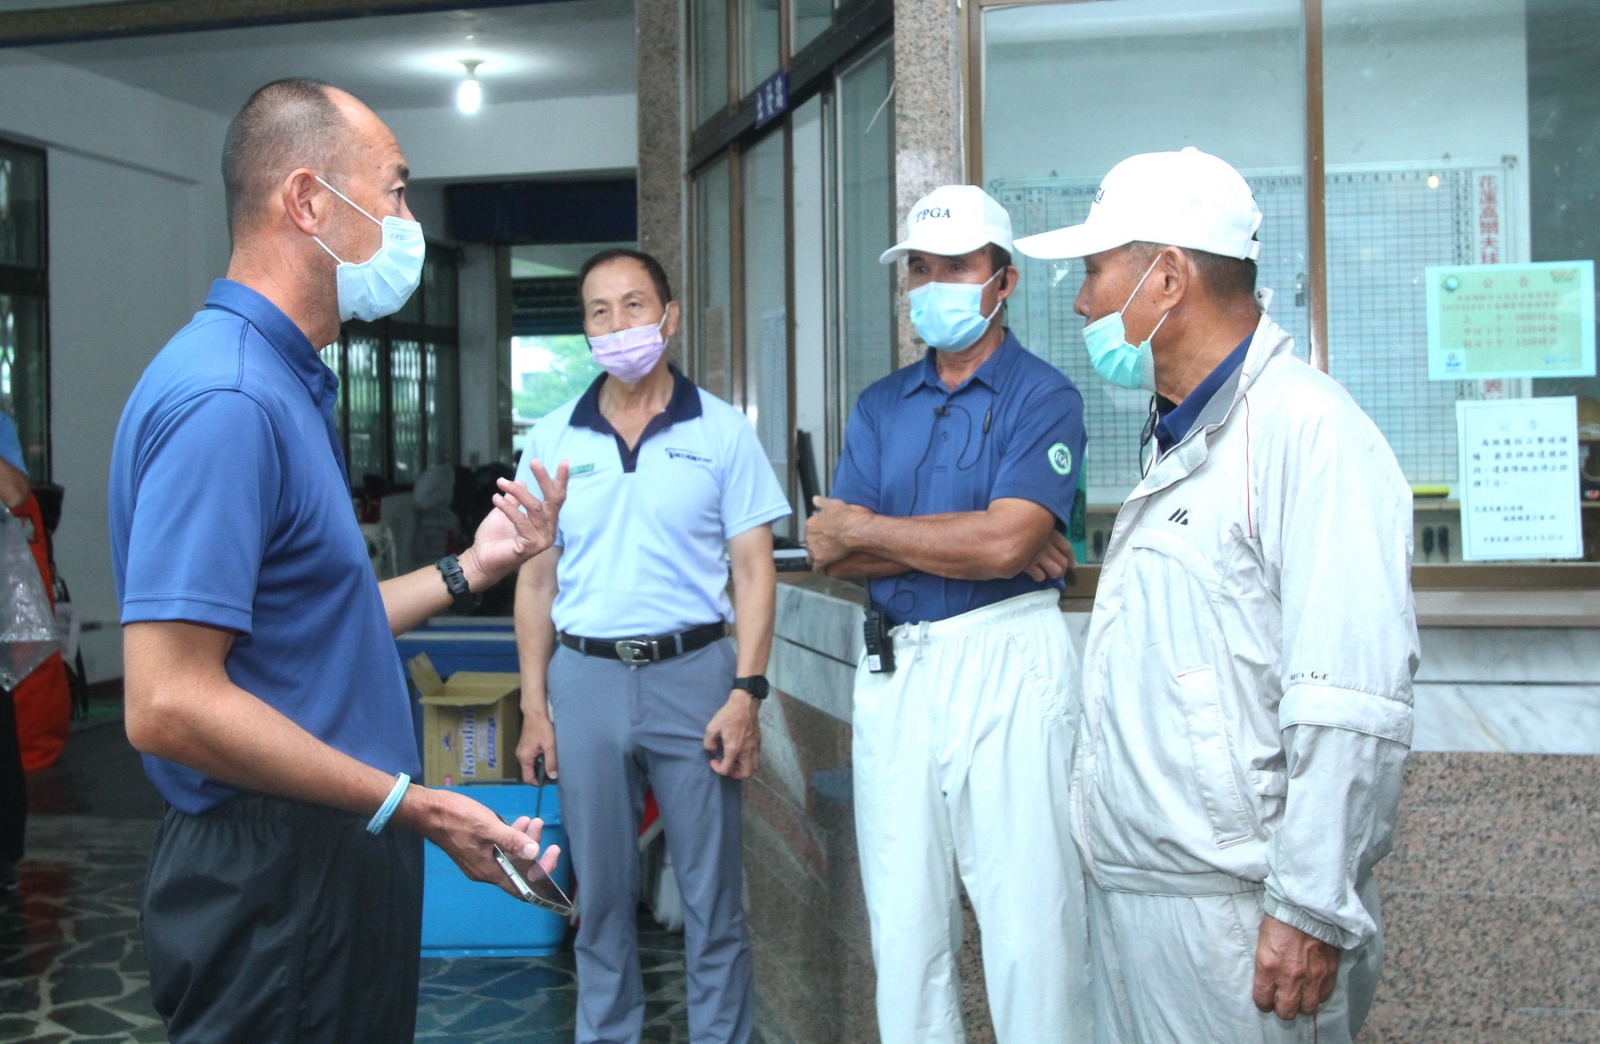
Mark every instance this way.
x=949 y=316
x=383 y=283
x=1110 y=353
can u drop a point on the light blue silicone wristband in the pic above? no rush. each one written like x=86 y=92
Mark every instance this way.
x=390 y=803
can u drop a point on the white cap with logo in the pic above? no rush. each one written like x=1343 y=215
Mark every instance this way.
x=953 y=220
x=1187 y=199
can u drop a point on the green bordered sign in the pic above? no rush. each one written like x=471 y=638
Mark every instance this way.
x=1509 y=321
x=1061 y=458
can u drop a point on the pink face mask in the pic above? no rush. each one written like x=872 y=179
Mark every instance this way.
x=628 y=355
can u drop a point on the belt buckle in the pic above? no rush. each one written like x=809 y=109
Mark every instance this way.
x=633 y=651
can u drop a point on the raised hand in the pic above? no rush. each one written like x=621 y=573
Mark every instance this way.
x=521 y=526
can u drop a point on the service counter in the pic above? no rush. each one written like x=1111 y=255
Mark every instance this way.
x=1499 y=825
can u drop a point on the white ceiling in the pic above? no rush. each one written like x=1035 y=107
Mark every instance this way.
x=574 y=48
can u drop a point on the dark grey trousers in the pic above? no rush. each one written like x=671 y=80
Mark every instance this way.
x=268 y=921
x=618 y=728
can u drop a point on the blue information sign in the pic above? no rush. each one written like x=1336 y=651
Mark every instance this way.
x=772 y=98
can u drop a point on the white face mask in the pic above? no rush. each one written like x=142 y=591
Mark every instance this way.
x=383 y=283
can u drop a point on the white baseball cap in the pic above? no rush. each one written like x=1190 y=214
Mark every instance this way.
x=1184 y=199
x=953 y=220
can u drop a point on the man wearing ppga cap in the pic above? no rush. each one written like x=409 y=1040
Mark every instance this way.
x=958 y=476
x=1247 y=672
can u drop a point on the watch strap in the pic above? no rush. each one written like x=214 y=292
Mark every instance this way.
x=755 y=684
x=456 y=581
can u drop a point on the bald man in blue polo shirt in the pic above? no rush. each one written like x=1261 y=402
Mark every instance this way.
x=627 y=669
x=282 y=905
x=956 y=483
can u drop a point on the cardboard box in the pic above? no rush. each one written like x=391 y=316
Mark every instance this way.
x=470 y=724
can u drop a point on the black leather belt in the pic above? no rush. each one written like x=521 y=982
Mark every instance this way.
x=646 y=648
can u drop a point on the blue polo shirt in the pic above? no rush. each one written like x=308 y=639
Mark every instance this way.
x=644 y=531
x=1176 y=420
x=914 y=447
x=230 y=507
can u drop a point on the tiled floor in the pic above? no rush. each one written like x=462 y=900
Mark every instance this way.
x=71 y=968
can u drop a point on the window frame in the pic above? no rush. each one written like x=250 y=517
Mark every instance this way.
x=1530 y=576
x=34 y=282
x=386 y=332
x=860 y=29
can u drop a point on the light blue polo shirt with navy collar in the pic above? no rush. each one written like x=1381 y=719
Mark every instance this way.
x=643 y=533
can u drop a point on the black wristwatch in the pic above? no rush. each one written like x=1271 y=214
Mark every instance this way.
x=456 y=581
x=756 y=685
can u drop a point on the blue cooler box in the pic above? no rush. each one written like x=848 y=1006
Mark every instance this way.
x=462 y=918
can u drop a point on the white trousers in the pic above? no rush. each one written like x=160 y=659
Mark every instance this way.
x=1175 y=969
x=962 y=760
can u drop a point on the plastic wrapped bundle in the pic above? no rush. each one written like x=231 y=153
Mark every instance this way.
x=28 y=633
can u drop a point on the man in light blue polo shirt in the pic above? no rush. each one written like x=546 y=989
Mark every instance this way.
x=625 y=663
x=958 y=476
x=262 y=683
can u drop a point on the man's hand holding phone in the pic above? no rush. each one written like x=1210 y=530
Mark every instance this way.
x=469 y=833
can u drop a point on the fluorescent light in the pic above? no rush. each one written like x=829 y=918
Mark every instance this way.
x=469 y=95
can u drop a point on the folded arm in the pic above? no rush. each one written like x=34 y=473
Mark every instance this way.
x=996 y=543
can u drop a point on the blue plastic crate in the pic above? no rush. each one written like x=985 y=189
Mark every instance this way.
x=462 y=918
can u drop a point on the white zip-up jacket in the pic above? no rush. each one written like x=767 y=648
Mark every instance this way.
x=1247 y=672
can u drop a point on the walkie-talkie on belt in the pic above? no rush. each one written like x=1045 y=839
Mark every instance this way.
x=880 y=645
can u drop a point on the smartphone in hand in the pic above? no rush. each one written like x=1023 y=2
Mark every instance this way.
x=533 y=884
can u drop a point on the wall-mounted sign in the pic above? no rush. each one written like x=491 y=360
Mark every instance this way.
x=772 y=98
x=1524 y=320
x=1519 y=479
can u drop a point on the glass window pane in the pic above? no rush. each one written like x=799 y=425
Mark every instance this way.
x=439 y=292
x=21 y=207
x=810 y=265
x=364 y=390
x=711 y=305
x=708 y=50
x=811 y=17
x=405 y=389
x=1457 y=134
x=546 y=371
x=766 y=314
x=1223 y=75
x=24 y=389
x=758 y=42
x=866 y=222
x=441 y=396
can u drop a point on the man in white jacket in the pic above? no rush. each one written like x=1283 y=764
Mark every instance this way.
x=1247 y=673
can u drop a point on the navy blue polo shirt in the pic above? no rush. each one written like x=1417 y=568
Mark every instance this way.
x=229 y=506
x=914 y=447
x=1176 y=420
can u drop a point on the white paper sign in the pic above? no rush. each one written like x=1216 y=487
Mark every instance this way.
x=1519 y=479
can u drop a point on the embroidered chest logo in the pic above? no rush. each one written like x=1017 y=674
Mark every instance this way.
x=1060 y=457
x=1180 y=516
x=580 y=469
x=683 y=454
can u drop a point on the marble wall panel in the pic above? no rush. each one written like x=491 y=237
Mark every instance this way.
x=1521 y=719
x=1555 y=655
x=662 y=146
x=808 y=918
x=927 y=121
x=1492 y=902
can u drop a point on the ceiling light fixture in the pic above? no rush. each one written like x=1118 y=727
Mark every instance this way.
x=469 y=95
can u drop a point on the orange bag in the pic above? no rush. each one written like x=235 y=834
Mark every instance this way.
x=44 y=698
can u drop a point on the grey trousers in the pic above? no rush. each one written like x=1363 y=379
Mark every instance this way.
x=617 y=729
